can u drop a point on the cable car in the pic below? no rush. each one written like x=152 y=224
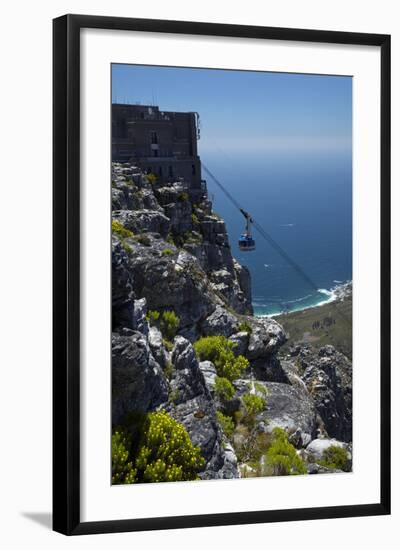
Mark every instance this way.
x=246 y=242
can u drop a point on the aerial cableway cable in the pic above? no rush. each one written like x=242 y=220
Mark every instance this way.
x=268 y=238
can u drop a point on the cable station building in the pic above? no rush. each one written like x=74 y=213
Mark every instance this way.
x=159 y=142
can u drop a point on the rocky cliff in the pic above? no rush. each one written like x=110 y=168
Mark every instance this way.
x=175 y=282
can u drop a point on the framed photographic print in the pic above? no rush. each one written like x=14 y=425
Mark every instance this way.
x=221 y=274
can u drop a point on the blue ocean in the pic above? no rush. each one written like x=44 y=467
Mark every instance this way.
x=304 y=202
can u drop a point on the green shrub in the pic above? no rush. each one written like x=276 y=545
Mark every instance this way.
x=234 y=368
x=192 y=237
x=224 y=388
x=244 y=326
x=119 y=230
x=183 y=197
x=219 y=350
x=254 y=403
x=167 y=252
x=122 y=468
x=335 y=458
x=169 y=346
x=173 y=396
x=170 y=238
x=153 y=317
x=195 y=219
x=169 y=324
x=282 y=456
x=152 y=178
x=144 y=240
x=260 y=388
x=227 y=424
x=169 y=369
x=128 y=249
x=165 y=451
x=188 y=237
x=214 y=349
x=251 y=444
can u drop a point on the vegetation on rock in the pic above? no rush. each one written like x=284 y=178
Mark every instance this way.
x=127 y=248
x=219 y=350
x=153 y=317
x=144 y=240
x=183 y=197
x=163 y=452
x=169 y=368
x=119 y=230
x=122 y=468
x=254 y=403
x=168 y=322
x=224 y=389
x=244 y=326
x=227 y=424
x=188 y=237
x=152 y=178
x=282 y=456
x=326 y=324
x=154 y=446
x=335 y=458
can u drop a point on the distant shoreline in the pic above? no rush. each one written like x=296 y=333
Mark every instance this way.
x=328 y=323
x=338 y=292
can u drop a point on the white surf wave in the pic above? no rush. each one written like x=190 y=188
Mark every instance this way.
x=297 y=299
x=329 y=296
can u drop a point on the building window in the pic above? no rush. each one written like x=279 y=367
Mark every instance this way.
x=154 y=138
x=170 y=171
x=160 y=171
x=193 y=169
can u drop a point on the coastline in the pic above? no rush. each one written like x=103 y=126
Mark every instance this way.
x=337 y=293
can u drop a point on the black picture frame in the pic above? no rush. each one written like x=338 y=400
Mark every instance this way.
x=66 y=273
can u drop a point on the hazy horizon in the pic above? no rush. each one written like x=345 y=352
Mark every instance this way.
x=247 y=111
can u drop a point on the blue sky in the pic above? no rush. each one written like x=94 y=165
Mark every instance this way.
x=248 y=111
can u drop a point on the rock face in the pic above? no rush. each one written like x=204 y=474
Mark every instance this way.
x=328 y=377
x=219 y=322
x=122 y=287
x=179 y=260
x=172 y=281
x=193 y=406
x=317 y=447
x=137 y=380
x=290 y=408
x=143 y=221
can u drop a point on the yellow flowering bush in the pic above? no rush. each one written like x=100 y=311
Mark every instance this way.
x=119 y=230
x=166 y=452
x=162 y=452
x=122 y=468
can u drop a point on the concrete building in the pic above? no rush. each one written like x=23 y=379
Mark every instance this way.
x=161 y=142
